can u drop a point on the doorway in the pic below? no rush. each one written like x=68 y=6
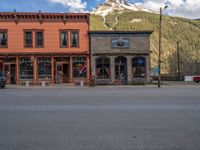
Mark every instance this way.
x=121 y=70
x=10 y=72
x=62 y=73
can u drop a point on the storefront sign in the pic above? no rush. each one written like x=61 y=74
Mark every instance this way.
x=120 y=43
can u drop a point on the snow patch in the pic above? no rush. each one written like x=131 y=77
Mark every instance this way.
x=110 y=5
x=136 y=20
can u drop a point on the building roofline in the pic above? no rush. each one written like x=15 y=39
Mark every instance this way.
x=122 y=32
x=43 y=13
x=43 y=17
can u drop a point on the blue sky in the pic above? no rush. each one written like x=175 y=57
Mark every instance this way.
x=181 y=8
x=43 y=5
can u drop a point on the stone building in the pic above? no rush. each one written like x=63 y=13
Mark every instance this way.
x=120 y=57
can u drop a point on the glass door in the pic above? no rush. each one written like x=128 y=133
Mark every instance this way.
x=10 y=72
x=59 y=73
x=62 y=73
x=65 y=72
x=120 y=70
x=120 y=73
x=13 y=74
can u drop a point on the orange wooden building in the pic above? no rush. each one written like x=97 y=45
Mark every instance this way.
x=50 y=47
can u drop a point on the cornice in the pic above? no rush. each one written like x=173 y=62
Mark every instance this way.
x=43 y=17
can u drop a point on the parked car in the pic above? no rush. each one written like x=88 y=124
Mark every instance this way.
x=2 y=80
x=196 y=79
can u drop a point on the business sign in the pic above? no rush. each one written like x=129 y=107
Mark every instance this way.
x=120 y=42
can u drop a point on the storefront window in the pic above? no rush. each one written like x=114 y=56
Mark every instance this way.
x=139 y=67
x=44 y=68
x=79 y=67
x=103 y=68
x=26 y=68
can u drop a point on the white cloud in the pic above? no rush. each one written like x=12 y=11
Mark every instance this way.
x=72 y=5
x=181 y=8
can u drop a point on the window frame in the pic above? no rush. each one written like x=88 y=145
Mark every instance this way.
x=78 y=32
x=36 y=31
x=139 y=67
x=25 y=62
x=44 y=60
x=79 y=60
x=6 y=31
x=67 y=32
x=103 y=58
x=25 y=31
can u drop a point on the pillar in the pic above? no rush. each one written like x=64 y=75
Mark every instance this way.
x=88 y=69
x=70 y=69
x=112 y=65
x=147 y=62
x=93 y=66
x=35 y=70
x=17 y=70
x=129 y=69
x=52 y=70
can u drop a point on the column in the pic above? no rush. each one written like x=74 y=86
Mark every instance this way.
x=147 y=62
x=112 y=65
x=17 y=70
x=52 y=70
x=70 y=69
x=93 y=67
x=35 y=70
x=129 y=68
x=88 y=69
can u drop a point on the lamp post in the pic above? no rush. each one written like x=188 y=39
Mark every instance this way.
x=159 y=50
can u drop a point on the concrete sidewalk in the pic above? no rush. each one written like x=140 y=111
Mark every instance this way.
x=63 y=86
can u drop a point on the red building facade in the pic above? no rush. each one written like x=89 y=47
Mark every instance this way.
x=50 y=47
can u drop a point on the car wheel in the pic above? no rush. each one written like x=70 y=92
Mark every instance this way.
x=197 y=81
x=3 y=87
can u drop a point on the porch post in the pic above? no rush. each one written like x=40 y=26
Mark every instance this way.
x=35 y=70
x=88 y=69
x=112 y=69
x=129 y=68
x=147 y=62
x=17 y=70
x=52 y=70
x=70 y=69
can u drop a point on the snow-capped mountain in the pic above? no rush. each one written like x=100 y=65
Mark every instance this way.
x=110 y=5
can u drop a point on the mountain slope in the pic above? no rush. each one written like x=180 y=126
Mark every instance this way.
x=120 y=5
x=173 y=29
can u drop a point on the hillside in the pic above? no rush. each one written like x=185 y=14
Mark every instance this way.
x=174 y=29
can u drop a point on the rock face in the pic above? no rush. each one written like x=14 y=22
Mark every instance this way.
x=119 y=5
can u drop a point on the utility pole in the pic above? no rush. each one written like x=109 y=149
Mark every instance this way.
x=178 y=60
x=159 y=50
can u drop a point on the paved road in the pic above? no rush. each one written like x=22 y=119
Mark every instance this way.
x=102 y=118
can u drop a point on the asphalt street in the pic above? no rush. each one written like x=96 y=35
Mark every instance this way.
x=100 y=118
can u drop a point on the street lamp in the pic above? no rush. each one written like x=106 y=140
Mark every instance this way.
x=159 y=50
